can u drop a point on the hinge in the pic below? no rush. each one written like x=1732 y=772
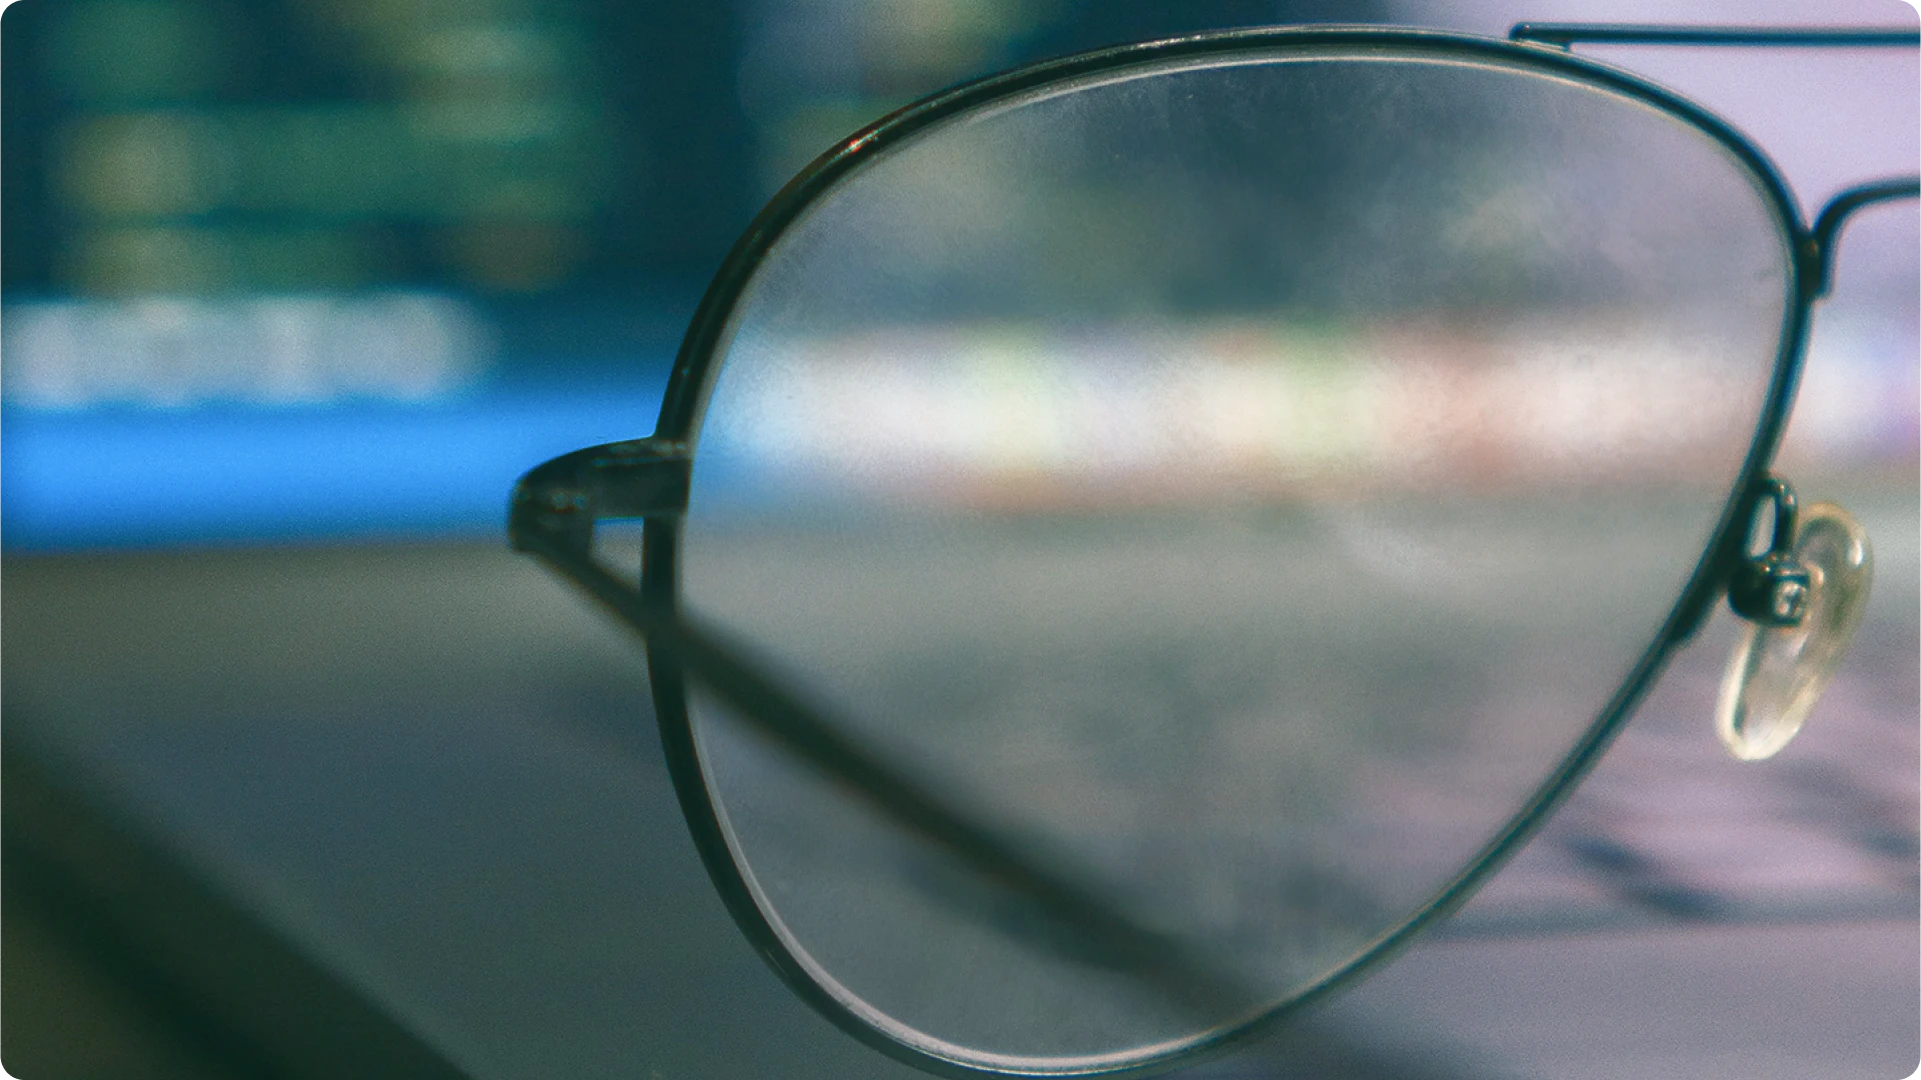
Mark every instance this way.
x=637 y=478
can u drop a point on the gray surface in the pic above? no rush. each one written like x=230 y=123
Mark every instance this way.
x=432 y=769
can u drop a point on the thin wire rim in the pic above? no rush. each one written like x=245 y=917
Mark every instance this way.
x=695 y=368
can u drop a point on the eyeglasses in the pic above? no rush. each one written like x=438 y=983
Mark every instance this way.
x=1168 y=523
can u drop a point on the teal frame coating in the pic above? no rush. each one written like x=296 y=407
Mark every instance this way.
x=556 y=506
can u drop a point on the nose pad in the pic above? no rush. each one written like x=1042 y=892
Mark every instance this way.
x=1777 y=671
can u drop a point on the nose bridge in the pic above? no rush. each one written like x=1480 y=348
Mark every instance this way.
x=1817 y=247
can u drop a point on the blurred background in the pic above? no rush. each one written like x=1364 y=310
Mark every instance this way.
x=306 y=269
x=329 y=269
x=293 y=290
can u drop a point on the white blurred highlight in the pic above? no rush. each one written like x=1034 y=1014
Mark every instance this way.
x=1003 y=412
x=176 y=352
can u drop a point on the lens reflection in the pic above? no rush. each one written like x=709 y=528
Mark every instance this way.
x=1241 y=480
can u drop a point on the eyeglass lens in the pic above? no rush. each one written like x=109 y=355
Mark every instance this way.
x=1243 y=479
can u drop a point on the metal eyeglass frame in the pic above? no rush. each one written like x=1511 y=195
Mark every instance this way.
x=556 y=506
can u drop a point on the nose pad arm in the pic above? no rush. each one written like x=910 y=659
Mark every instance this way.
x=1804 y=599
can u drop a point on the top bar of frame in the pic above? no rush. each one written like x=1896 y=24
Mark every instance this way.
x=1567 y=34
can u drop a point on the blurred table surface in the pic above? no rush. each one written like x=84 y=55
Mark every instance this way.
x=399 y=810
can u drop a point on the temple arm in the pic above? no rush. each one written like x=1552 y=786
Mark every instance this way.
x=1566 y=35
x=554 y=511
